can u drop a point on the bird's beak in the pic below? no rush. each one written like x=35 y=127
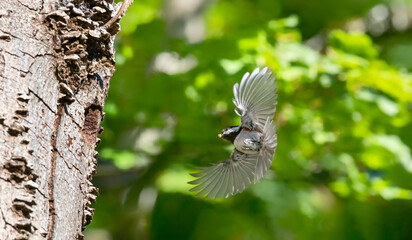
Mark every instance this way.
x=219 y=135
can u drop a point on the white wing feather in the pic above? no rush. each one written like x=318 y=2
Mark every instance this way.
x=255 y=98
x=226 y=178
x=267 y=152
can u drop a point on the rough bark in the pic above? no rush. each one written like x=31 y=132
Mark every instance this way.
x=55 y=67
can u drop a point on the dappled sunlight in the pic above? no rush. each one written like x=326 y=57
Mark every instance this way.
x=343 y=162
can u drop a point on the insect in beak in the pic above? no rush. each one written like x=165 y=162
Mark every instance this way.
x=219 y=135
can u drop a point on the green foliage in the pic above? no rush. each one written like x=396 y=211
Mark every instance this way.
x=343 y=164
x=355 y=44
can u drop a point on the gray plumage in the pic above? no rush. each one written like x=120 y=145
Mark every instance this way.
x=255 y=139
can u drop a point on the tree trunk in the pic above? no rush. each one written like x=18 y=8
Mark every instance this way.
x=55 y=66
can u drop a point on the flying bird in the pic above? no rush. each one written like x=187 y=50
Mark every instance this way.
x=255 y=139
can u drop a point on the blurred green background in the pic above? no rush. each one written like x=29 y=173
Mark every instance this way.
x=343 y=165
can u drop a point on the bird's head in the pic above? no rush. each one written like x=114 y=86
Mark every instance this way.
x=230 y=133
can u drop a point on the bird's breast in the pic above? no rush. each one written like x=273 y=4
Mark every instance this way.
x=248 y=142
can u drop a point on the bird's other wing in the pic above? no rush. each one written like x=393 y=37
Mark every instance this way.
x=255 y=98
x=227 y=178
x=267 y=152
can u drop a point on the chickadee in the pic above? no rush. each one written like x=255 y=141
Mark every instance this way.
x=255 y=139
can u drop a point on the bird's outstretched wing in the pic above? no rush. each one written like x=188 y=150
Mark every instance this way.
x=255 y=98
x=267 y=152
x=227 y=178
